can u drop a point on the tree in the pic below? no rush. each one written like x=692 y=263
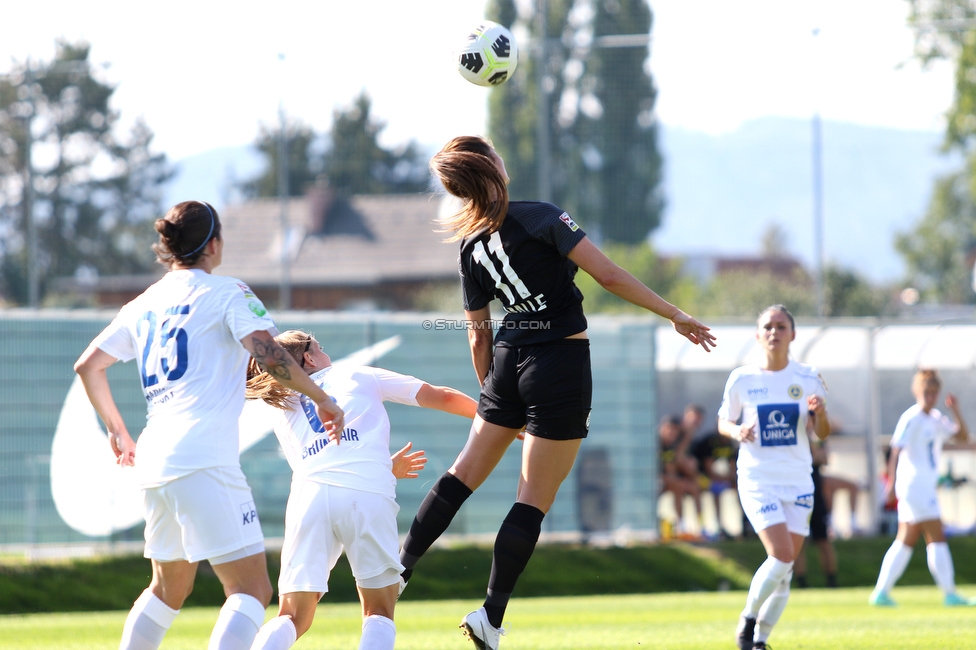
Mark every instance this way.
x=939 y=249
x=846 y=293
x=353 y=162
x=604 y=164
x=303 y=165
x=95 y=194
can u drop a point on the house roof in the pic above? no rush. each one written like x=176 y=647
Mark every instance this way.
x=362 y=240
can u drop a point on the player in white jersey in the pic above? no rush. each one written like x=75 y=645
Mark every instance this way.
x=913 y=469
x=190 y=334
x=768 y=409
x=343 y=494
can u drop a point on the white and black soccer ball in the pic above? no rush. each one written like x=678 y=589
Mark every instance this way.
x=489 y=56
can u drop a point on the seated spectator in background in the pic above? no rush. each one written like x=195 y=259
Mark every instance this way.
x=691 y=421
x=819 y=524
x=888 y=525
x=831 y=484
x=716 y=455
x=678 y=472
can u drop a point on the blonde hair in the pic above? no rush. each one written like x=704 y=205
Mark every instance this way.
x=466 y=170
x=261 y=385
x=925 y=376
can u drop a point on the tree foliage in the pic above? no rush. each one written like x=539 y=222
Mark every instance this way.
x=354 y=161
x=302 y=164
x=95 y=193
x=939 y=249
x=604 y=164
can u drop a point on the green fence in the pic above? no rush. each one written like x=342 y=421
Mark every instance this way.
x=613 y=485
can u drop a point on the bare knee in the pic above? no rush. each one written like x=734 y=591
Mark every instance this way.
x=300 y=608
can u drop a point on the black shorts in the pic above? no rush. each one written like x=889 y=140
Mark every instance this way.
x=545 y=387
x=819 y=517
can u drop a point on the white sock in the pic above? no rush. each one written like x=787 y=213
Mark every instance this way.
x=147 y=622
x=773 y=608
x=379 y=633
x=238 y=622
x=770 y=574
x=940 y=564
x=277 y=634
x=893 y=565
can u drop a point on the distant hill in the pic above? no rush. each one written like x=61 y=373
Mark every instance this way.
x=724 y=190
x=210 y=176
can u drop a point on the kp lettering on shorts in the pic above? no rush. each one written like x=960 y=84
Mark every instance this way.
x=249 y=513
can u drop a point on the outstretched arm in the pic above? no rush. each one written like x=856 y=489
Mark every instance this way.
x=962 y=435
x=619 y=282
x=91 y=368
x=282 y=366
x=406 y=465
x=444 y=398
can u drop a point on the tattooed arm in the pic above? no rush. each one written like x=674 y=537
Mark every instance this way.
x=282 y=366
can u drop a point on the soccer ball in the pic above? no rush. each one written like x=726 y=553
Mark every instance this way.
x=489 y=56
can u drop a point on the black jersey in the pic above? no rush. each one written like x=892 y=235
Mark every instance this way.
x=524 y=265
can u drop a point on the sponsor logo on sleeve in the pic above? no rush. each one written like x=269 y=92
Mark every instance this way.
x=247 y=290
x=568 y=220
x=257 y=308
x=778 y=424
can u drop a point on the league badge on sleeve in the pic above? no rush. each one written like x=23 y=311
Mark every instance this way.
x=568 y=220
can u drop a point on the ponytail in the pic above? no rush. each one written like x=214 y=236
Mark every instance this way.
x=466 y=169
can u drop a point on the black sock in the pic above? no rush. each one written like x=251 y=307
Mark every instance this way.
x=434 y=516
x=514 y=545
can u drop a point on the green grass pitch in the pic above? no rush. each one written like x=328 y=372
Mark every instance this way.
x=814 y=619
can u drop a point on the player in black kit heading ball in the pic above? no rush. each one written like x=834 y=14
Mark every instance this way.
x=536 y=375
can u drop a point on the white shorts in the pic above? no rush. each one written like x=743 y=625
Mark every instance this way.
x=918 y=504
x=321 y=520
x=208 y=514
x=769 y=505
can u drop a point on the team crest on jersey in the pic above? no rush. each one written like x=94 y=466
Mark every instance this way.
x=257 y=308
x=247 y=290
x=795 y=391
x=568 y=220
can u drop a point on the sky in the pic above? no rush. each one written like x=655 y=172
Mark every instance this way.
x=205 y=73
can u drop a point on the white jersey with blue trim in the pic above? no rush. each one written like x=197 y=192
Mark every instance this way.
x=185 y=334
x=361 y=460
x=919 y=437
x=776 y=402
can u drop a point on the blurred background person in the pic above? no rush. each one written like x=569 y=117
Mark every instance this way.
x=715 y=456
x=678 y=473
x=819 y=524
x=913 y=476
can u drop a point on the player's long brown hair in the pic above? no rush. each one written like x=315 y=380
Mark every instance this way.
x=184 y=233
x=466 y=169
x=261 y=385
